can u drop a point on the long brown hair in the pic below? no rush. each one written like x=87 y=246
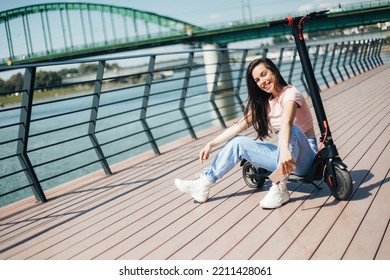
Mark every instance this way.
x=258 y=98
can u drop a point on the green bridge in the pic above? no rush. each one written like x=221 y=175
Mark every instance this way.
x=60 y=31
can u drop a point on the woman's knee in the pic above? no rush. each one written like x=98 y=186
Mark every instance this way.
x=240 y=141
x=238 y=145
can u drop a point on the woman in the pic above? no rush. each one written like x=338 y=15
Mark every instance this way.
x=273 y=107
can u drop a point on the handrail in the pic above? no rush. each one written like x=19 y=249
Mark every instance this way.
x=60 y=139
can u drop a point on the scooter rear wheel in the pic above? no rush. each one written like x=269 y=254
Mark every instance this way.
x=344 y=184
x=248 y=169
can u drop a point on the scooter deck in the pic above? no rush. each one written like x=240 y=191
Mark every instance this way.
x=291 y=177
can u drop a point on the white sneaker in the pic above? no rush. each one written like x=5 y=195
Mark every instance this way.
x=199 y=189
x=276 y=196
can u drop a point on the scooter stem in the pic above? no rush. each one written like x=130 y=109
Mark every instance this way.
x=314 y=92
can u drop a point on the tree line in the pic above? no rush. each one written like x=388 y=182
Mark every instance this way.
x=44 y=79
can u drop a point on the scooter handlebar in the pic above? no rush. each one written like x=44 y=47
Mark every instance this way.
x=287 y=20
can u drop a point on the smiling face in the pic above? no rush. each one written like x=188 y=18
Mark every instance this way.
x=265 y=79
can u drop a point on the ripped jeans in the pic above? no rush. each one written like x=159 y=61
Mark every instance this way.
x=262 y=154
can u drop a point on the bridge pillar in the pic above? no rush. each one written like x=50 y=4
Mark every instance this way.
x=219 y=81
x=217 y=67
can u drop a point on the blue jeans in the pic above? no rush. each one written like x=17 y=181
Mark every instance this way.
x=262 y=154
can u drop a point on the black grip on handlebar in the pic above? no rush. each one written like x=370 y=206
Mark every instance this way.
x=278 y=22
x=289 y=20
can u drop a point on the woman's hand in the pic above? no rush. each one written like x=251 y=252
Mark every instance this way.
x=286 y=161
x=205 y=153
x=227 y=134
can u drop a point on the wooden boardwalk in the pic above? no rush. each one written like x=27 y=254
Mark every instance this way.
x=137 y=213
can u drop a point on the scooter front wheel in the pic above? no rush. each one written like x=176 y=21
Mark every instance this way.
x=343 y=190
x=248 y=172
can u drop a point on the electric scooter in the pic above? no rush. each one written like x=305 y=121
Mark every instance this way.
x=327 y=165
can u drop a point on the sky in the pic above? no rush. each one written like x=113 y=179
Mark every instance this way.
x=206 y=12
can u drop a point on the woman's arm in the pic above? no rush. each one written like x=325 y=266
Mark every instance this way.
x=228 y=133
x=285 y=158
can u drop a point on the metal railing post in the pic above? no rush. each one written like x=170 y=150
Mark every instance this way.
x=373 y=54
x=356 y=57
x=350 y=58
x=370 y=51
x=316 y=57
x=331 y=63
x=186 y=80
x=145 y=102
x=292 y=66
x=23 y=134
x=93 y=118
x=366 y=46
x=379 y=51
x=265 y=52
x=279 y=65
x=239 y=80
x=338 y=62
x=323 y=66
x=361 y=56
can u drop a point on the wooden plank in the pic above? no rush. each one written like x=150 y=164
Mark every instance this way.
x=384 y=249
x=368 y=237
